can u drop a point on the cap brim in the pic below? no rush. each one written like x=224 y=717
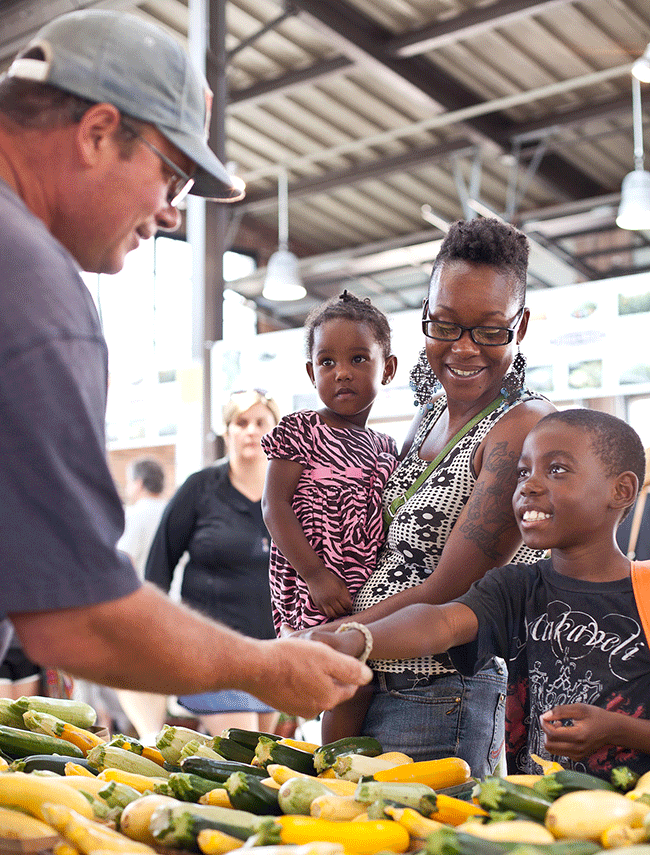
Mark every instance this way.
x=211 y=180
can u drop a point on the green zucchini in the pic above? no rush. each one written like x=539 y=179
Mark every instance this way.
x=231 y=750
x=218 y=770
x=171 y=739
x=407 y=794
x=49 y=762
x=128 y=743
x=325 y=756
x=556 y=784
x=187 y=787
x=377 y=810
x=74 y=712
x=22 y=743
x=8 y=716
x=296 y=795
x=623 y=778
x=451 y=841
x=118 y=795
x=110 y=757
x=247 y=792
x=499 y=794
x=269 y=751
x=177 y=826
x=195 y=748
x=248 y=738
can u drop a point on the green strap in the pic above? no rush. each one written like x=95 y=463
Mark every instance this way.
x=396 y=504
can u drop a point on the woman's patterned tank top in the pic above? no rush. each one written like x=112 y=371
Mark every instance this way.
x=421 y=526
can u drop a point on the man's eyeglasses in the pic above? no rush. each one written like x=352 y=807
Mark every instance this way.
x=484 y=336
x=181 y=185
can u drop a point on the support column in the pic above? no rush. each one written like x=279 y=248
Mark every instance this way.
x=207 y=221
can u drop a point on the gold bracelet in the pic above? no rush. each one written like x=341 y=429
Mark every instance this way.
x=366 y=634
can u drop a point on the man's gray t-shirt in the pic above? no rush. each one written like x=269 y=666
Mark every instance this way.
x=61 y=514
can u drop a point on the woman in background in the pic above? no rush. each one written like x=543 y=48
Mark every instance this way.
x=216 y=516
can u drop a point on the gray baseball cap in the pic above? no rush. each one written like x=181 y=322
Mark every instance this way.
x=113 y=57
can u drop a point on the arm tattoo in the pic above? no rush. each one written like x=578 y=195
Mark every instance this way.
x=489 y=512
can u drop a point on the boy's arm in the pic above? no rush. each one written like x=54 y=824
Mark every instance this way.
x=590 y=728
x=328 y=592
x=411 y=632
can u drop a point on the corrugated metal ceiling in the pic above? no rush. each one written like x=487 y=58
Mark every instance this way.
x=378 y=107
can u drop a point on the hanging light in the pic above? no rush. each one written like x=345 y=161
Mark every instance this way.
x=283 y=280
x=641 y=68
x=634 y=208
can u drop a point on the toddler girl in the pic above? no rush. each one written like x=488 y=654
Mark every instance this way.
x=327 y=470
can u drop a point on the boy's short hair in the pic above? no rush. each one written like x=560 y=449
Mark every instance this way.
x=614 y=442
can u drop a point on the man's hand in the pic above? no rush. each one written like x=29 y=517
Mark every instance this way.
x=576 y=730
x=305 y=677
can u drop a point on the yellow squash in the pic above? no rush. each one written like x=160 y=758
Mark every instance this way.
x=585 y=814
x=438 y=774
x=31 y=792
x=362 y=838
x=89 y=836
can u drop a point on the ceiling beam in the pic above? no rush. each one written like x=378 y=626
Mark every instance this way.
x=533 y=130
x=467 y=25
x=257 y=203
x=291 y=80
x=363 y=40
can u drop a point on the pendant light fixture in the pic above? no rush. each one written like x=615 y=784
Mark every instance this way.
x=634 y=208
x=283 y=280
x=641 y=68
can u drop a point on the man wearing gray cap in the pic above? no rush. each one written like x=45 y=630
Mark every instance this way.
x=103 y=129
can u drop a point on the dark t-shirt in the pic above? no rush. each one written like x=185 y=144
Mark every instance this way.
x=565 y=641
x=61 y=514
x=227 y=572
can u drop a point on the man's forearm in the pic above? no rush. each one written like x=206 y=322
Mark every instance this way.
x=147 y=643
x=142 y=641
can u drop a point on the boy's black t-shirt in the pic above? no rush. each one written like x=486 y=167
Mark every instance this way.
x=565 y=641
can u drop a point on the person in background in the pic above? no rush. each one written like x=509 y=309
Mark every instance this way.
x=18 y=675
x=145 y=483
x=569 y=626
x=449 y=500
x=103 y=131
x=216 y=517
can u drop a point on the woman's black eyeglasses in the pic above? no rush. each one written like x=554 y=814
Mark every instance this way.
x=484 y=336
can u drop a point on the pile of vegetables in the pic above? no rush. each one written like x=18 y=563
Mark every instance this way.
x=65 y=788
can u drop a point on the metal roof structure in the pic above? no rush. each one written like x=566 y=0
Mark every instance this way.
x=377 y=108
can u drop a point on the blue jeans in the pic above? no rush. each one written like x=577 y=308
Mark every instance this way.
x=452 y=716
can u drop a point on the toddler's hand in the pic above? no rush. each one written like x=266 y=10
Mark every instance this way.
x=330 y=595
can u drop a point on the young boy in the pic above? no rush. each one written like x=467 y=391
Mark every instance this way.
x=568 y=626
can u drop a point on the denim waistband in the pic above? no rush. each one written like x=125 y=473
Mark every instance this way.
x=389 y=682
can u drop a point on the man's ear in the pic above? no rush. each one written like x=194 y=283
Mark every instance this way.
x=310 y=370
x=96 y=131
x=625 y=490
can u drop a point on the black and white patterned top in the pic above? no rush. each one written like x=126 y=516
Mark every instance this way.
x=421 y=526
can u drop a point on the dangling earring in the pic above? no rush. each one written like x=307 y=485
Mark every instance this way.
x=423 y=381
x=513 y=382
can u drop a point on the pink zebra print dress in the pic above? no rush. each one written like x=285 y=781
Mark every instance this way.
x=337 y=502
